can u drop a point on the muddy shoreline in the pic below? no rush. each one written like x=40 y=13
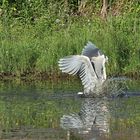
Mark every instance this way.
x=41 y=76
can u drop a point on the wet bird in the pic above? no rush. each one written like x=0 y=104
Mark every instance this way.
x=90 y=66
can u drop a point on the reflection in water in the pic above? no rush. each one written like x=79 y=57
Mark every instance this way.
x=33 y=111
x=92 y=118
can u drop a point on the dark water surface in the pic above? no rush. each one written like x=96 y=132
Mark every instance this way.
x=51 y=110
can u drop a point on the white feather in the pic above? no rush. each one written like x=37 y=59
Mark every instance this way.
x=82 y=65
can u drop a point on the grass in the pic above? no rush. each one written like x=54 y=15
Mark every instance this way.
x=36 y=48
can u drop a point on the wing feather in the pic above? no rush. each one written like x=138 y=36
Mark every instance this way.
x=90 y=50
x=79 y=64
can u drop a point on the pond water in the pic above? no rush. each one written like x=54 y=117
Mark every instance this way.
x=52 y=110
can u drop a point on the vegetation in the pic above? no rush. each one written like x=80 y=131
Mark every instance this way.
x=35 y=34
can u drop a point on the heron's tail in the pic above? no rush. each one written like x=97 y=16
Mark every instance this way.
x=70 y=64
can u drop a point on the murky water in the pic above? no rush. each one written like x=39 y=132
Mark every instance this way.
x=51 y=110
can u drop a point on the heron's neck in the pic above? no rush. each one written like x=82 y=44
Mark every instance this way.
x=94 y=69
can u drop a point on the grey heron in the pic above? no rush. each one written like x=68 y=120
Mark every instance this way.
x=90 y=66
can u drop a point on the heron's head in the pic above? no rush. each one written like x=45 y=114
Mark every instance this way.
x=99 y=65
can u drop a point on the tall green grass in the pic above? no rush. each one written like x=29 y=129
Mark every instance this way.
x=37 y=47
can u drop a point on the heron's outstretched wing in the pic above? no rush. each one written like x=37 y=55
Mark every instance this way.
x=90 y=50
x=79 y=64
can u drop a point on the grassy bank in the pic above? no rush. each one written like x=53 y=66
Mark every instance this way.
x=35 y=48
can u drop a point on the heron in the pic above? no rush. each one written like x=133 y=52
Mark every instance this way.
x=90 y=66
